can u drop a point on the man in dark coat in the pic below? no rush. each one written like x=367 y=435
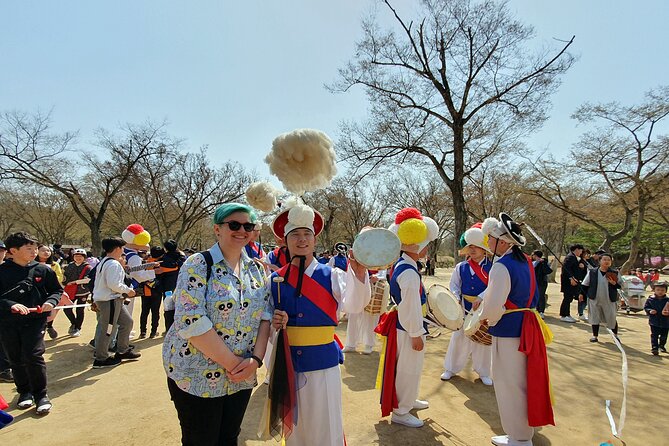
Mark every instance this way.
x=574 y=270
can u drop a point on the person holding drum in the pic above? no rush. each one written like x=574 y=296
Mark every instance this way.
x=518 y=343
x=405 y=327
x=305 y=299
x=468 y=283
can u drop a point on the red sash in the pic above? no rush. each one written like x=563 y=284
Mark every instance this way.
x=478 y=270
x=313 y=291
x=539 y=407
x=388 y=327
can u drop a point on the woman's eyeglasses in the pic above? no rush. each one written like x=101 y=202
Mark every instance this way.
x=235 y=225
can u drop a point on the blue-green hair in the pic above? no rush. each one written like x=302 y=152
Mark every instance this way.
x=227 y=209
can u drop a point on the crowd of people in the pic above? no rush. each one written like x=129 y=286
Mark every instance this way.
x=233 y=308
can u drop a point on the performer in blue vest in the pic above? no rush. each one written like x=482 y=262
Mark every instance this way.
x=340 y=260
x=519 y=336
x=306 y=297
x=404 y=327
x=468 y=283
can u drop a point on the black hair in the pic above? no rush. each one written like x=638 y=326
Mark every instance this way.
x=110 y=244
x=576 y=246
x=19 y=239
x=157 y=251
x=518 y=253
x=606 y=254
x=53 y=258
x=170 y=245
x=538 y=253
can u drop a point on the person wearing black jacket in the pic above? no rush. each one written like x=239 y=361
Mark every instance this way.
x=170 y=264
x=574 y=270
x=658 y=318
x=26 y=285
x=541 y=271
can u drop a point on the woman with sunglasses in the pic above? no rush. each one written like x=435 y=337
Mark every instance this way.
x=221 y=325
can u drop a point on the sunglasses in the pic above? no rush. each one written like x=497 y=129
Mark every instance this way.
x=235 y=225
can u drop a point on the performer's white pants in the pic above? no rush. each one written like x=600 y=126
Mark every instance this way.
x=407 y=375
x=319 y=410
x=509 y=370
x=459 y=349
x=360 y=329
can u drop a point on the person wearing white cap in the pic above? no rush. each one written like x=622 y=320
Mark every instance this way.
x=306 y=297
x=518 y=336
x=405 y=328
x=468 y=283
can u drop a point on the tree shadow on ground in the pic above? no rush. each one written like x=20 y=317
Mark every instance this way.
x=431 y=434
x=363 y=370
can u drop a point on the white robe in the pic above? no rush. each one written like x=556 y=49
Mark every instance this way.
x=409 y=361
x=509 y=366
x=320 y=418
x=360 y=327
x=460 y=346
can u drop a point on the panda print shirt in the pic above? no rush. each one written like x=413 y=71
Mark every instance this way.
x=232 y=306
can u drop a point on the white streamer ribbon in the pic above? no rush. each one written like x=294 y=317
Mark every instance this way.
x=618 y=432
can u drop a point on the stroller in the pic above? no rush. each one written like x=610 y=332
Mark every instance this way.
x=632 y=294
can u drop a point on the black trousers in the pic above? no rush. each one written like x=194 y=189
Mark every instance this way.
x=541 y=305
x=77 y=320
x=566 y=304
x=658 y=337
x=169 y=319
x=23 y=341
x=209 y=421
x=150 y=304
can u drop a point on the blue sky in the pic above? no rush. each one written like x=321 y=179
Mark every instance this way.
x=234 y=75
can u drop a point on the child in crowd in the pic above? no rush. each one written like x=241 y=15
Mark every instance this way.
x=657 y=308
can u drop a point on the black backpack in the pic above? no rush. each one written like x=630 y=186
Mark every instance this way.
x=92 y=273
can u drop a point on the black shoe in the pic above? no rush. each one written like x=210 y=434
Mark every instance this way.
x=6 y=376
x=26 y=401
x=53 y=334
x=654 y=352
x=153 y=334
x=111 y=361
x=142 y=335
x=130 y=355
x=43 y=406
x=663 y=350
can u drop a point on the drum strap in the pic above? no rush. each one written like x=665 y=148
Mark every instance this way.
x=478 y=270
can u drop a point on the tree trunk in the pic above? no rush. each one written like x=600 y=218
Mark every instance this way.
x=636 y=237
x=457 y=187
x=96 y=237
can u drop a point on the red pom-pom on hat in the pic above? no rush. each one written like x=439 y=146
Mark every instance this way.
x=478 y=225
x=135 y=228
x=407 y=213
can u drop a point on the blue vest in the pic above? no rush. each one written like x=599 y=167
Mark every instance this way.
x=395 y=291
x=509 y=326
x=303 y=313
x=253 y=252
x=471 y=284
x=341 y=262
x=129 y=254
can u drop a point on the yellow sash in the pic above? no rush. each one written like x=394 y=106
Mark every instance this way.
x=305 y=336
x=548 y=334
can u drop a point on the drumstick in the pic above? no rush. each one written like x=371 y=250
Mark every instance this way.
x=278 y=280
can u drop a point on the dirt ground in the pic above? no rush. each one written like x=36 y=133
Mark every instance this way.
x=129 y=404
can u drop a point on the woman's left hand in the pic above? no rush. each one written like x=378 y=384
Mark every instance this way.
x=358 y=269
x=244 y=370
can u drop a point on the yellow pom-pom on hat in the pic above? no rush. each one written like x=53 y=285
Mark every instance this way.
x=412 y=231
x=135 y=234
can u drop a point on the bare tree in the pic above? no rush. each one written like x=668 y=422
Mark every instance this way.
x=30 y=153
x=448 y=91
x=176 y=191
x=625 y=151
x=576 y=188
